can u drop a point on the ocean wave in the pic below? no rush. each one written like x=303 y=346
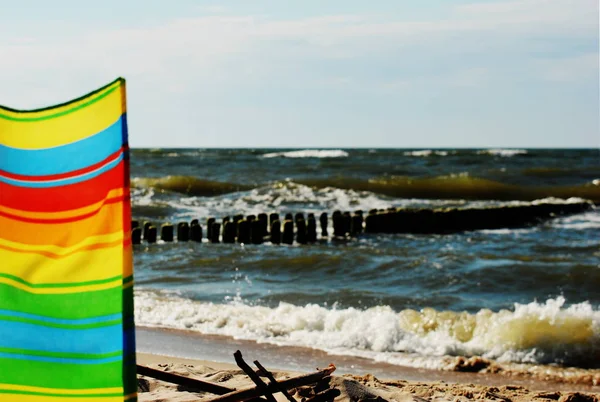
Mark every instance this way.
x=539 y=333
x=426 y=153
x=188 y=185
x=451 y=187
x=308 y=153
x=505 y=153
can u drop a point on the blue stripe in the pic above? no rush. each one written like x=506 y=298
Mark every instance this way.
x=52 y=320
x=20 y=335
x=65 y=158
x=63 y=182
x=60 y=359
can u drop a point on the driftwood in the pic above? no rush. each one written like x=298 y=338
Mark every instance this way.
x=295 y=382
x=269 y=375
x=260 y=384
x=190 y=383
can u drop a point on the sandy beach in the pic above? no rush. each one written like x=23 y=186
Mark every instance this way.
x=352 y=387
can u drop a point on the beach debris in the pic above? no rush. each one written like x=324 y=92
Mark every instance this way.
x=318 y=392
x=190 y=383
x=274 y=387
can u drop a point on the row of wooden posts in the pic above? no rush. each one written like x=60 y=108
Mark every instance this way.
x=253 y=229
x=257 y=229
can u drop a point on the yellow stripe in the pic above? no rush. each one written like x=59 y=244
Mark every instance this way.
x=62 y=214
x=80 y=267
x=61 y=252
x=62 y=290
x=11 y=387
x=65 y=129
x=36 y=398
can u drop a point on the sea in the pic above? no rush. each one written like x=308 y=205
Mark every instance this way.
x=528 y=295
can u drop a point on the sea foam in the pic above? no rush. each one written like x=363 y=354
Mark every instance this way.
x=308 y=153
x=506 y=153
x=544 y=333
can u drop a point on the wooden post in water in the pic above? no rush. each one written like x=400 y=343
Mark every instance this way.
x=323 y=220
x=338 y=224
x=146 y=227
x=251 y=218
x=347 y=220
x=357 y=225
x=371 y=222
x=272 y=218
x=301 y=231
x=229 y=230
x=215 y=231
x=166 y=232
x=311 y=229
x=256 y=232
x=135 y=224
x=209 y=223
x=136 y=235
x=151 y=234
x=264 y=223
x=288 y=232
x=183 y=231
x=243 y=228
x=196 y=232
x=194 y=221
x=276 y=232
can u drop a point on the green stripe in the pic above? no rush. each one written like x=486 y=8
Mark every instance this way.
x=59 y=325
x=6 y=391
x=69 y=306
x=60 y=354
x=64 y=112
x=65 y=375
x=60 y=285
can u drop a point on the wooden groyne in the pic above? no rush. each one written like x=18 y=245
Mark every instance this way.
x=301 y=229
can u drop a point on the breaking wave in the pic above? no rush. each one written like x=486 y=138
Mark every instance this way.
x=426 y=153
x=188 y=185
x=539 y=333
x=308 y=153
x=452 y=187
x=505 y=153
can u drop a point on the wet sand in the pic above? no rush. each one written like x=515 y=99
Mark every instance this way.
x=171 y=346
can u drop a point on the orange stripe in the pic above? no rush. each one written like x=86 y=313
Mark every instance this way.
x=109 y=219
x=55 y=256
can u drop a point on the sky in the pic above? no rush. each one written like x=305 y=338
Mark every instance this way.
x=317 y=73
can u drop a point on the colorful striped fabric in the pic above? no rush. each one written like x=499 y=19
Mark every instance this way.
x=66 y=289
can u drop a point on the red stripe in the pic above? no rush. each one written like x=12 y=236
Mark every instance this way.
x=74 y=173
x=66 y=197
x=66 y=220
